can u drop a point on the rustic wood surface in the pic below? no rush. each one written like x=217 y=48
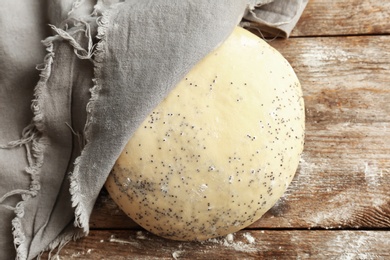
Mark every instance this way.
x=344 y=17
x=338 y=205
x=253 y=244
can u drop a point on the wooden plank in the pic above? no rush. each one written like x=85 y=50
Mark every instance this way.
x=344 y=177
x=344 y=174
x=247 y=244
x=344 y=17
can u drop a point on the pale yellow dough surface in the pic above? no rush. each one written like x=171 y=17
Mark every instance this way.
x=220 y=150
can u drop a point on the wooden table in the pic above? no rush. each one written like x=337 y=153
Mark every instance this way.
x=338 y=205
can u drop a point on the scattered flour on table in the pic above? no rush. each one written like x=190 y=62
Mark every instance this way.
x=79 y=254
x=307 y=170
x=117 y=240
x=177 y=254
x=339 y=209
x=249 y=237
x=230 y=238
x=140 y=235
x=373 y=175
x=321 y=55
x=113 y=239
x=352 y=247
x=343 y=208
x=240 y=246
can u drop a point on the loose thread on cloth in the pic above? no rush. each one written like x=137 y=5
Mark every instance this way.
x=35 y=143
x=249 y=25
x=76 y=4
x=81 y=217
x=95 y=51
x=33 y=135
x=80 y=136
x=68 y=35
x=28 y=134
x=81 y=53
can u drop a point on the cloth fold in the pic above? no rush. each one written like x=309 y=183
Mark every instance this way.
x=107 y=64
x=276 y=17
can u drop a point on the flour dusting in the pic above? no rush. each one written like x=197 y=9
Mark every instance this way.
x=140 y=235
x=320 y=55
x=239 y=246
x=120 y=241
x=177 y=254
x=339 y=209
x=249 y=237
x=372 y=175
x=113 y=239
x=307 y=171
x=230 y=238
x=352 y=248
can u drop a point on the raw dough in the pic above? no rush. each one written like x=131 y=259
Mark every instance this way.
x=220 y=150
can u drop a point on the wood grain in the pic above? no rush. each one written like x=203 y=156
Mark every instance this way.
x=344 y=174
x=344 y=17
x=247 y=244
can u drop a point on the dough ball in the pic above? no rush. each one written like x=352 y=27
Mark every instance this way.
x=219 y=150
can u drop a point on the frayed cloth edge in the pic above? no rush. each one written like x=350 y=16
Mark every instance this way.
x=33 y=138
x=35 y=153
x=81 y=216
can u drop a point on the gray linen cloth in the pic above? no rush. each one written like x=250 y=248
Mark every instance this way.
x=106 y=64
